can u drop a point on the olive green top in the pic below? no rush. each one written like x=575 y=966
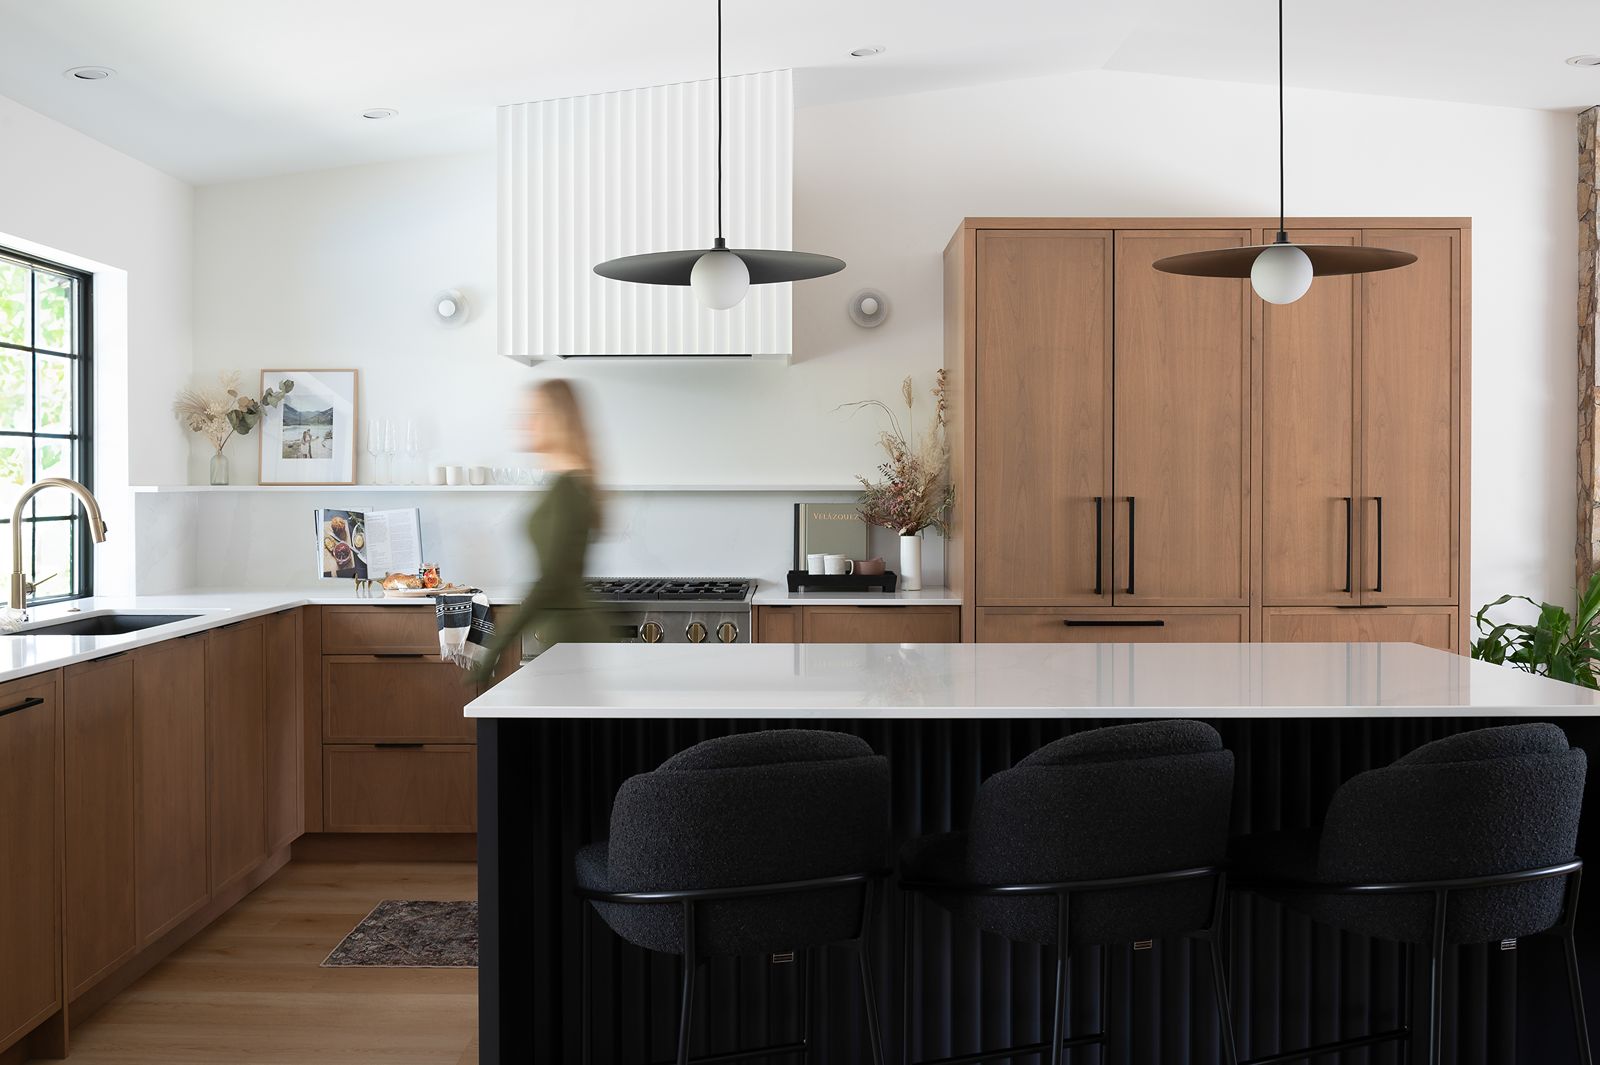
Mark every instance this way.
x=557 y=610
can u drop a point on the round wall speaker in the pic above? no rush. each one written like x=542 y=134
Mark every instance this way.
x=451 y=307
x=868 y=308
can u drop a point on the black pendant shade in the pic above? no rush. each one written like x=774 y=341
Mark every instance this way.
x=1327 y=260
x=766 y=266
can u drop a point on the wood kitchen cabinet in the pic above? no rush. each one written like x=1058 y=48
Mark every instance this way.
x=1043 y=419
x=30 y=854
x=236 y=744
x=169 y=753
x=1237 y=455
x=1428 y=626
x=395 y=699
x=285 y=717
x=1043 y=625
x=101 y=870
x=1181 y=450
x=858 y=624
x=1362 y=434
x=400 y=788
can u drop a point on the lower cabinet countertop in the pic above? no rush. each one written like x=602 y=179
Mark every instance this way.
x=1014 y=680
x=23 y=655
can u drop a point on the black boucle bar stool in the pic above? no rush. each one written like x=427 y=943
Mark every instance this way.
x=1468 y=839
x=1106 y=837
x=758 y=843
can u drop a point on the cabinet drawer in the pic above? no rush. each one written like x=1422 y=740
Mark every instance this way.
x=882 y=624
x=1027 y=625
x=367 y=699
x=420 y=789
x=357 y=630
x=1428 y=626
x=30 y=851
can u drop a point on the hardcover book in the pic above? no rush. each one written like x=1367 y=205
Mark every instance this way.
x=828 y=529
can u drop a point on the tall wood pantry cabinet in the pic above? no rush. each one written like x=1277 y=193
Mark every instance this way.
x=1141 y=456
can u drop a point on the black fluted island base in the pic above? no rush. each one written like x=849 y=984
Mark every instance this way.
x=546 y=786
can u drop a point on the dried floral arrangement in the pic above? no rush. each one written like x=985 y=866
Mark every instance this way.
x=218 y=413
x=914 y=492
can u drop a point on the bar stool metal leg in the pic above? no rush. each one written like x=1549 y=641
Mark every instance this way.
x=908 y=958
x=1436 y=980
x=689 y=968
x=1063 y=952
x=1219 y=991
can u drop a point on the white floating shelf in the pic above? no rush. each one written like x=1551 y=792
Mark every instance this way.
x=323 y=489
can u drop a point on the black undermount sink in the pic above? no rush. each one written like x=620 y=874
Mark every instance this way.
x=105 y=624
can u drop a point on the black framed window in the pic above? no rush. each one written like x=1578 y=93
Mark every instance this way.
x=46 y=386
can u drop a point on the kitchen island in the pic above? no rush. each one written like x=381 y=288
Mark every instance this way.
x=559 y=736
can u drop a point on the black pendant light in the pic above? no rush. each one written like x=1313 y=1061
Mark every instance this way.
x=1281 y=272
x=720 y=275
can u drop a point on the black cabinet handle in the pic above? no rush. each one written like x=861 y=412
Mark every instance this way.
x=398 y=746
x=26 y=704
x=1099 y=544
x=1349 y=539
x=1379 y=586
x=1116 y=623
x=1130 y=545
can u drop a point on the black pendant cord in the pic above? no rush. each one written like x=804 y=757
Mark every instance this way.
x=1283 y=238
x=720 y=242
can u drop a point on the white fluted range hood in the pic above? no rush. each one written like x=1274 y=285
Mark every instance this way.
x=591 y=178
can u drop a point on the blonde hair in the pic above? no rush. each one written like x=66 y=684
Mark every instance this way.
x=562 y=406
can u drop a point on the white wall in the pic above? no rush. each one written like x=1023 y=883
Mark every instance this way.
x=336 y=268
x=66 y=197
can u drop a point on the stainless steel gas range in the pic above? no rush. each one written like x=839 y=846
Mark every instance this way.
x=670 y=609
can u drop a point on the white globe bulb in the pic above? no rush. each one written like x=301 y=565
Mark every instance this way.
x=1281 y=274
x=719 y=279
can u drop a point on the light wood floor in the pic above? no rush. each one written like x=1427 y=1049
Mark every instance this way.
x=250 y=990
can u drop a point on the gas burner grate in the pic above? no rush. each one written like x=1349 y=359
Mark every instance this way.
x=657 y=589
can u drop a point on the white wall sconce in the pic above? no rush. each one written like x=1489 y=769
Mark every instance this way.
x=868 y=308
x=451 y=307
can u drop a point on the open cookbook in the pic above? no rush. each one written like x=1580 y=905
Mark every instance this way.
x=368 y=544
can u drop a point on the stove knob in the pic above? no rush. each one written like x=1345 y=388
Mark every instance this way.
x=696 y=632
x=651 y=632
x=728 y=632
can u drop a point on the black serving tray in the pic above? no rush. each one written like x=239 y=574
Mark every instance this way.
x=800 y=580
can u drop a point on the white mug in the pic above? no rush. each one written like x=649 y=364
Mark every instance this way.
x=815 y=564
x=838 y=564
x=455 y=475
x=436 y=475
x=478 y=475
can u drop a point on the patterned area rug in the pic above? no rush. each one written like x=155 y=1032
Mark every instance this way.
x=412 y=935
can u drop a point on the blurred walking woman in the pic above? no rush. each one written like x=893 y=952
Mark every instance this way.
x=557 y=609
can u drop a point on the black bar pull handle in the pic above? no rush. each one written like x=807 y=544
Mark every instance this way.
x=1349 y=540
x=1099 y=545
x=1115 y=623
x=1130 y=545
x=1379 y=586
x=26 y=704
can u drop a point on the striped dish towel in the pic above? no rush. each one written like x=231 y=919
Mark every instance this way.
x=465 y=630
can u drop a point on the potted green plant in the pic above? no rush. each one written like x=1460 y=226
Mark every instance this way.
x=1558 y=645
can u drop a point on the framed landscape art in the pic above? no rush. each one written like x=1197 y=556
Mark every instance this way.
x=310 y=438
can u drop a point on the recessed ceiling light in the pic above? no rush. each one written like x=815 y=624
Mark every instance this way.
x=1583 y=61
x=88 y=73
x=862 y=53
x=379 y=112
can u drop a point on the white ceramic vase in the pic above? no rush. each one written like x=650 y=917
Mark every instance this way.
x=910 y=563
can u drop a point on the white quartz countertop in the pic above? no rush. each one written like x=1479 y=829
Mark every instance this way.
x=772 y=594
x=22 y=654
x=1020 y=680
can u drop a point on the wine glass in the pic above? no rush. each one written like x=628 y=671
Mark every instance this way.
x=389 y=448
x=411 y=448
x=375 y=448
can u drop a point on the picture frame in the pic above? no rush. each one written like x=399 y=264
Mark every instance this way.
x=311 y=438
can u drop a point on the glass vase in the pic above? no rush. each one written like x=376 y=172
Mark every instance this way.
x=219 y=468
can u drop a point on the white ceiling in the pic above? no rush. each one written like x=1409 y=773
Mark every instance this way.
x=215 y=90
